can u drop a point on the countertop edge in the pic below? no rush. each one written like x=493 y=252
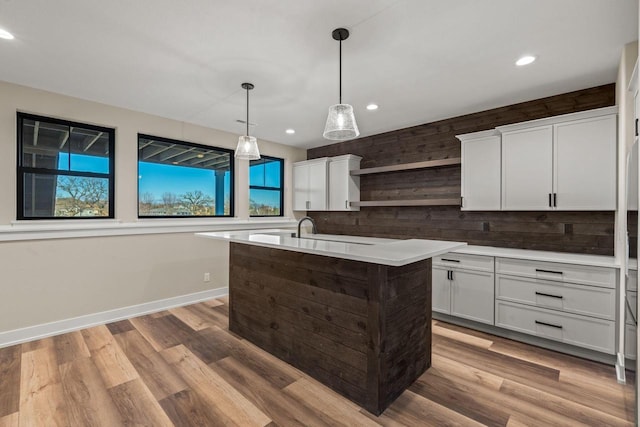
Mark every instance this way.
x=543 y=256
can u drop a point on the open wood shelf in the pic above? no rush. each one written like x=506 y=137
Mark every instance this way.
x=408 y=166
x=416 y=202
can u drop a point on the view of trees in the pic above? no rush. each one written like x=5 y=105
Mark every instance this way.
x=191 y=203
x=82 y=196
x=262 y=209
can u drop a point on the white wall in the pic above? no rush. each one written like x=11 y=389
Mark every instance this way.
x=48 y=280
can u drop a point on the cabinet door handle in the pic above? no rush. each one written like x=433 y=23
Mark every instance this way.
x=548 y=324
x=451 y=275
x=308 y=204
x=555 y=200
x=550 y=205
x=549 y=295
x=346 y=204
x=636 y=127
x=450 y=260
x=548 y=271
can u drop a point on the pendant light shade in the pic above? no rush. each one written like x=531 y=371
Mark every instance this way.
x=247 y=148
x=341 y=122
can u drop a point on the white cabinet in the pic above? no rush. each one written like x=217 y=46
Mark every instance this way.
x=481 y=165
x=527 y=167
x=343 y=188
x=574 y=304
x=561 y=163
x=584 y=175
x=462 y=286
x=310 y=184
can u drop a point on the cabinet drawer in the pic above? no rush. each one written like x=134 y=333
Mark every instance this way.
x=632 y=280
x=632 y=312
x=465 y=261
x=588 y=332
x=583 y=274
x=578 y=299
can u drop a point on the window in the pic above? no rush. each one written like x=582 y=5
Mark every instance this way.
x=266 y=176
x=180 y=179
x=65 y=169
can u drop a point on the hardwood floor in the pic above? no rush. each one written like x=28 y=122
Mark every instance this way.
x=183 y=367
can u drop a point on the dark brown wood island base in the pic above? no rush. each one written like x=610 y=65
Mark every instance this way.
x=363 y=329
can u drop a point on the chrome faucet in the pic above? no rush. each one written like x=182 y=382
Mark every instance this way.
x=313 y=225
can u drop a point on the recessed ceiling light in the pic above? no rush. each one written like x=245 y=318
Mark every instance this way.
x=372 y=107
x=200 y=156
x=525 y=60
x=290 y=131
x=4 y=34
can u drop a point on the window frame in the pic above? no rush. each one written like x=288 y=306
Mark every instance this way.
x=22 y=170
x=191 y=145
x=260 y=187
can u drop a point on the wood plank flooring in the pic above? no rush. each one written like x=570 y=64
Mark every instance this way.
x=183 y=367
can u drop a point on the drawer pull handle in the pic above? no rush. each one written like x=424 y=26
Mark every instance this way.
x=548 y=271
x=450 y=260
x=548 y=324
x=549 y=295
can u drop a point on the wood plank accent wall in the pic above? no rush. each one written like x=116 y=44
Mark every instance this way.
x=580 y=232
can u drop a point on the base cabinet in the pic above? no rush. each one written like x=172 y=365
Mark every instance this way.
x=566 y=302
x=588 y=332
x=463 y=286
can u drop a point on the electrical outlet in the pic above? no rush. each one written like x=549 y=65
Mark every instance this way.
x=207 y=277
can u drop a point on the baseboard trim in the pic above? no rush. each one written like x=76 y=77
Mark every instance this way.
x=30 y=333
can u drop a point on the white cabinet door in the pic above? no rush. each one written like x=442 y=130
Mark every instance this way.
x=527 y=169
x=481 y=165
x=343 y=188
x=585 y=164
x=300 y=187
x=472 y=296
x=318 y=186
x=440 y=290
x=310 y=185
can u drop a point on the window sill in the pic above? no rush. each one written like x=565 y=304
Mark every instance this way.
x=28 y=230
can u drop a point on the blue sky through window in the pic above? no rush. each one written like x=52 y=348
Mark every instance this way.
x=83 y=163
x=157 y=178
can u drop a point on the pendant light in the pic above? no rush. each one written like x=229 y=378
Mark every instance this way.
x=341 y=123
x=247 y=148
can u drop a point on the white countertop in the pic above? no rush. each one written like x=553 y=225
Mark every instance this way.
x=367 y=249
x=562 y=257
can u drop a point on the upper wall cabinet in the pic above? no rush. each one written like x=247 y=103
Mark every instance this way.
x=344 y=188
x=310 y=182
x=326 y=184
x=481 y=171
x=561 y=163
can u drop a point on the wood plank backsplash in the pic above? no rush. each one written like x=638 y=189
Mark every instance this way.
x=580 y=232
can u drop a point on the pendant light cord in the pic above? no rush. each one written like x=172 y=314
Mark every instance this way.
x=340 y=72
x=247 y=111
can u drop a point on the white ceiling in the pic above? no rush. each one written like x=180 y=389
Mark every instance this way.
x=420 y=60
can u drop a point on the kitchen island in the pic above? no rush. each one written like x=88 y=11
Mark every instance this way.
x=352 y=312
